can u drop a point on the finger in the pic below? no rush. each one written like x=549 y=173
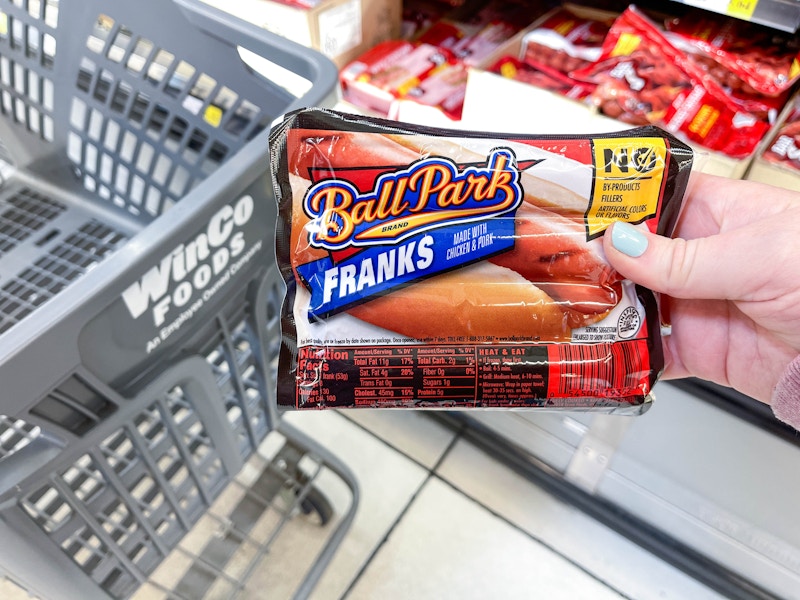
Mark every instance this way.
x=713 y=204
x=714 y=267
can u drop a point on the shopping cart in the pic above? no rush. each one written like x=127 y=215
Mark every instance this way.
x=139 y=302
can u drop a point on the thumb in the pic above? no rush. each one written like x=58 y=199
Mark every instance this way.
x=702 y=268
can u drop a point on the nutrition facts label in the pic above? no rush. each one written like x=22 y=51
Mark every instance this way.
x=444 y=375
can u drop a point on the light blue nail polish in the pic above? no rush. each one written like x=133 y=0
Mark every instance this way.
x=628 y=240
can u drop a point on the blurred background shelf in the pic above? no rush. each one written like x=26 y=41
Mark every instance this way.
x=779 y=14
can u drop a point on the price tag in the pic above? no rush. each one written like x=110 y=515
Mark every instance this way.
x=742 y=9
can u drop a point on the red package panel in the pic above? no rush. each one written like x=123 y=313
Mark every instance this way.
x=642 y=78
x=388 y=71
x=444 y=89
x=620 y=368
x=419 y=15
x=475 y=49
x=785 y=148
x=445 y=34
x=565 y=42
x=742 y=56
x=477 y=28
x=541 y=76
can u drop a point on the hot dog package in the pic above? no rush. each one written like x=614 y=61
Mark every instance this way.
x=784 y=147
x=641 y=77
x=737 y=53
x=443 y=268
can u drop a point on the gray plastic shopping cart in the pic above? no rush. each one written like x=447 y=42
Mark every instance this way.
x=139 y=302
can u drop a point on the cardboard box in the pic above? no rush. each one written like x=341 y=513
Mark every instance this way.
x=785 y=143
x=339 y=29
x=768 y=172
x=495 y=103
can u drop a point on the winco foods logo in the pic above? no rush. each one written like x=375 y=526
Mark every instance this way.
x=177 y=281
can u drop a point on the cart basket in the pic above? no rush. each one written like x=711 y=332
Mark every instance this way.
x=139 y=299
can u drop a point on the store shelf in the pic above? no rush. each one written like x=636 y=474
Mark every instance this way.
x=780 y=14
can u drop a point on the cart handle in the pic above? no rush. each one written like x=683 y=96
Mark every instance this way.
x=231 y=30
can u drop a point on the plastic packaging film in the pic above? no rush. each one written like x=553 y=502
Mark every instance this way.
x=441 y=268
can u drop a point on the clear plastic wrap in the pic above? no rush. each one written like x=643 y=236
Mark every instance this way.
x=439 y=268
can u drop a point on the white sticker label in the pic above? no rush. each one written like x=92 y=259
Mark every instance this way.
x=340 y=28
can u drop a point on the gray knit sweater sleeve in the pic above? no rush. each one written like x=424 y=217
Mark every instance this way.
x=786 y=397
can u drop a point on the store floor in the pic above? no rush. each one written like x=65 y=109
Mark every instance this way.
x=439 y=518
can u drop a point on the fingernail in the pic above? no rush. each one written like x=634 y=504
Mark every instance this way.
x=627 y=239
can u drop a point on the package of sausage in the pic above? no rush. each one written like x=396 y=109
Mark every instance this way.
x=740 y=55
x=643 y=78
x=784 y=147
x=566 y=41
x=541 y=76
x=444 y=268
x=391 y=71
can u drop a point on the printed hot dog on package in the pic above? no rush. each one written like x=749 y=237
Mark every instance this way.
x=442 y=268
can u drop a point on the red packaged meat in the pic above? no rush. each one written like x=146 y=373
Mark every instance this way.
x=438 y=268
x=446 y=34
x=785 y=147
x=387 y=72
x=565 y=41
x=479 y=27
x=739 y=55
x=444 y=89
x=419 y=15
x=474 y=49
x=642 y=78
x=542 y=76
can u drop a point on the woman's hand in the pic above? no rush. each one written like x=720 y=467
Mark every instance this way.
x=730 y=281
